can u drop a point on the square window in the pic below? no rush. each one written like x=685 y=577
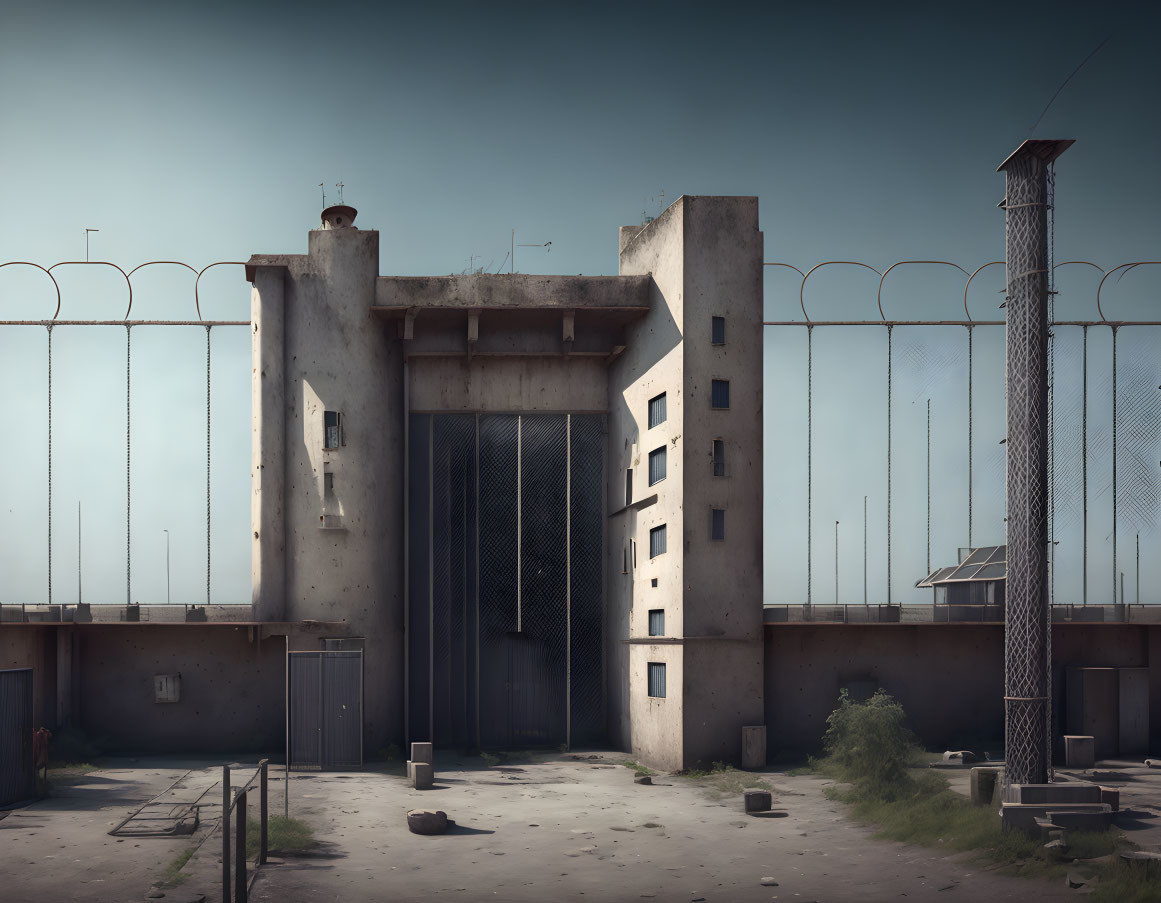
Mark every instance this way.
x=332 y=429
x=719 y=457
x=657 y=541
x=657 y=679
x=656 y=410
x=657 y=465
x=717 y=523
x=719 y=331
x=720 y=394
x=657 y=622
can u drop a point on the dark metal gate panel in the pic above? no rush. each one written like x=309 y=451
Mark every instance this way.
x=17 y=767
x=505 y=601
x=325 y=715
x=498 y=574
x=540 y=663
x=342 y=713
x=586 y=575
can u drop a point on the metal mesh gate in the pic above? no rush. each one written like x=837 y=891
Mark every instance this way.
x=17 y=768
x=505 y=579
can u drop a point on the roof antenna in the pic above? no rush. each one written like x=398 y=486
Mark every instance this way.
x=339 y=186
x=324 y=195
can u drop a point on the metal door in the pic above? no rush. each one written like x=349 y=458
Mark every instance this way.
x=325 y=709
x=17 y=767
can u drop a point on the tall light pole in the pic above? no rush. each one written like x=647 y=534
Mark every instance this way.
x=167 y=599
x=836 y=523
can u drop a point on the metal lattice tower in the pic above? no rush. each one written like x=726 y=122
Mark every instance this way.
x=1028 y=618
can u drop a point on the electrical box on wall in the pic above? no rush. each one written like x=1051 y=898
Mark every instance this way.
x=166 y=687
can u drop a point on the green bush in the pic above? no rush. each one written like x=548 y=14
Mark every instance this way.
x=868 y=744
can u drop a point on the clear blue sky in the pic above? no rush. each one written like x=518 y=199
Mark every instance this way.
x=869 y=132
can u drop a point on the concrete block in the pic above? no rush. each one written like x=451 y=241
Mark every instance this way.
x=1023 y=816
x=754 y=746
x=1091 y=819
x=758 y=800
x=1063 y=792
x=426 y=821
x=410 y=772
x=1112 y=796
x=984 y=781
x=421 y=752
x=1079 y=751
x=422 y=775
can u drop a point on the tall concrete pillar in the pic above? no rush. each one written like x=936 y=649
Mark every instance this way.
x=268 y=443
x=1028 y=618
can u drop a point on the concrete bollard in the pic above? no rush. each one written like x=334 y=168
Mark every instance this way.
x=984 y=780
x=421 y=752
x=754 y=746
x=1079 y=751
x=1112 y=796
x=423 y=777
x=758 y=800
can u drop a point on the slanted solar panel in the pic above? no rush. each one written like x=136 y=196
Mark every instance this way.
x=965 y=572
x=997 y=570
x=980 y=555
x=1001 y=554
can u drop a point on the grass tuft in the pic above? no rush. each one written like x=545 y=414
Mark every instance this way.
x=641 y=770
x=283 y=835
x=173 y=872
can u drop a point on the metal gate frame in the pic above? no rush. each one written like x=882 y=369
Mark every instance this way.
x=323 y=657
x=17 y=772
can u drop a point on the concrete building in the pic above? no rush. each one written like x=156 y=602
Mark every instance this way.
x=534 y=501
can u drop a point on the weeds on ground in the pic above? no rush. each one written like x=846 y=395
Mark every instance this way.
x=640 y=770
x=71 y=768
x=869 y=748
x=283 y=835
x=720 y=780
x=173 y=872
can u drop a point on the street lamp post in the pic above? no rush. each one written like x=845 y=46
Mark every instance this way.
x=167 y=597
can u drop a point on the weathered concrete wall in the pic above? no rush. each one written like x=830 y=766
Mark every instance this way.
x=723 y=579
x=232 y=688
x=28 y=646
x=268 y=444
x=658 y=734
x=949 y=677
x=554 y=384
x=498 y=291
x=339 y=358
x=651 y=364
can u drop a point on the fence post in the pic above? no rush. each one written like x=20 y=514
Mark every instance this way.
x=240 y=849
x=263 y=812
x=226 y=851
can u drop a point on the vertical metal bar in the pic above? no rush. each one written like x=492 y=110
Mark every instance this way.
x=464 y=606
x=568 y=581
x=209 y=547
x=1084 y=464
x=519 y=524
x=864 y=550
x=240 y=848
x=971 y=365
x=477 y=486
x=128 y=472
x=50 y=473
x=1138 y=578
x=809 y=457
x=321 y=714
x=929 y=485
x=406 y=557
x=431 y=578
x=286 y=776
x=263 y=811
x=836 y=526
x=226 y=849
x=1115 y=563
x=889 y=330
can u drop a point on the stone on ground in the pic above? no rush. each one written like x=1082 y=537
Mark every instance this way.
x=427 y=821
x=757 y=800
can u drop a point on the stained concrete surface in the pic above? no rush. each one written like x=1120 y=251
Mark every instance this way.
x=564 y=828
x=559 y=827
